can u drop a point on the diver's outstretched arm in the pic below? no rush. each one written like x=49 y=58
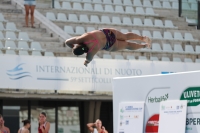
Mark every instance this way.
x=89 y=58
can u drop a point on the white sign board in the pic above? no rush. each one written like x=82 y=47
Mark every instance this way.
x=131 y=117
x=32 y=72
x=154 y=89
x=172 y=116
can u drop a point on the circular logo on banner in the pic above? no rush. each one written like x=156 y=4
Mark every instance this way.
x=152 y=124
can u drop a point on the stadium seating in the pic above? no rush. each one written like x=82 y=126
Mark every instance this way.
x=178 y=48
x=10 y=26
x=197 y=49
x=23 y=46
x=167 y=48
x=107 y=56
x=140 y=17
x=176 y=59
x=156 y=47
x=49 y=54
x=188 y=60
x=2 y=19
x=35 y=46
x=23 y=36
x=154 y=58
x=10 y=52
x=10 y=45
x=197 y=61
x=1 y=46
x=36 y=53
x=142 y=58
x=189 y=49
x=120 y=57
x=130 y=57
x=165 y=59
x=23 y=53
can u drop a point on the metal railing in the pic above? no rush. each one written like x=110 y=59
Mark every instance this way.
x=52 y=3
x=198 y=16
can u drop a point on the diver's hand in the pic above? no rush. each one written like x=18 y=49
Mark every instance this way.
x=146 y=45
x=86 y=63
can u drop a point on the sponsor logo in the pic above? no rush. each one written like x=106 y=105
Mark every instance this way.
x=158 y=99
x=18 y=72
x=121 y=117
x=128 y=108
x=120 y=123
x=188 y=128
x=152 y=124
x=179 y=107
x=192 y=95
x=136 y=116
x=121 y=110
x=168 y=107
x=193 y=121
x=163 y=107
x=166 y=72
x=127 y=122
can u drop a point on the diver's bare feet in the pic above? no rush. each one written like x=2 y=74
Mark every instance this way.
x=147 y=40
x=147 y=45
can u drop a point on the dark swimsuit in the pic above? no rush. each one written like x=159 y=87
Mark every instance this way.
x=110 y=36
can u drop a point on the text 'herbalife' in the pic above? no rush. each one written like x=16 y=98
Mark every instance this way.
x=157 y=99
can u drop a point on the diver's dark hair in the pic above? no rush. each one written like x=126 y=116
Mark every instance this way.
x=80 y=49
x=26 y=122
